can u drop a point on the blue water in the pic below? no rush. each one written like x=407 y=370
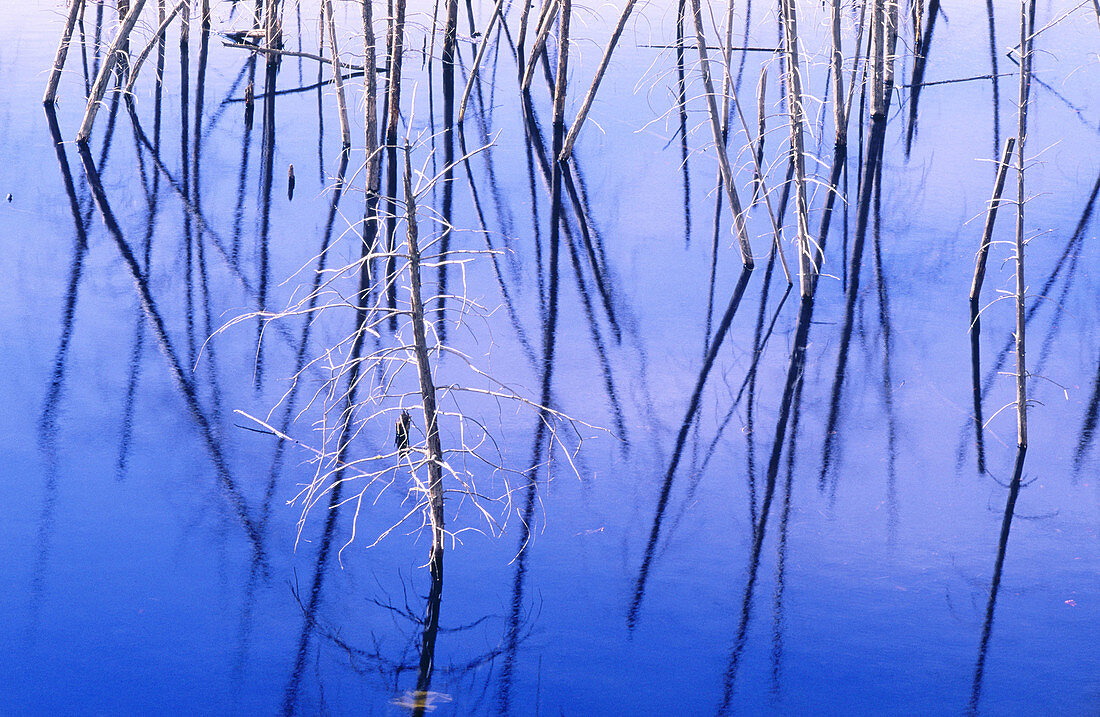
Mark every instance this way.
x=154 y=563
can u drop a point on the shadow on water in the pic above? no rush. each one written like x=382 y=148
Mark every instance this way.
x=920 y=62
x=877 y=134
x=289 y=403
x=1088 y=428
x=242 y=178
x=794 y=375
x=994 y=77
x=995 y=585
x=681 y=107
x=549 y=339
x=781 y=551
x=152 y=207
x=681 y=439
x=886 y=330
x=176 y=369
x=267 y=163
x=558 y=175
x=47 y=420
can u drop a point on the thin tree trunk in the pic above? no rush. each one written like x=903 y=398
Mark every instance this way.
x=337 y=76
x=105 y=71
x=427 y=384
x=62 y=52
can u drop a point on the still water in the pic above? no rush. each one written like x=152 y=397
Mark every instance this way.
x=828 y=538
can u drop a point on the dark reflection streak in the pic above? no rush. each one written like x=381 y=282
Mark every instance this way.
x=47 y=420
x=744 y=43
x=112 y=118
x=681 y=106
x=711 y=450
x=860 y=133
x=549 y=337
x=794 y=373
x=601 y=351
x=177 y=187
x=599 y=274
x=185 y=177
x=870 y=170
x=575 y=170
x=840 y=163
x=320 y=98
x=84 y=52
x=297 y=90
x=887 y=381
x=757 y=347
x=447 y=212
x=97 y=39
x=219 y=244
x=689 y=419
x=740 y=392
x=290 y=402
x=976 y=384
x=152 y=203
x=248 y=68
x=1088 y=428
x=781 y=560
x=209 y=345
x=844 y=247
x=267 y=172
x=1082 y=114
x=493 y=80
x=559 y=173
x=242 y=178
x=995 y=585
x=431 y=631
x=784 y=524
x=503 y=209
x=919 y=64
x=515 y=616
x=175 y=367
x=290 y=695
x=996 y=80
x=509 y=304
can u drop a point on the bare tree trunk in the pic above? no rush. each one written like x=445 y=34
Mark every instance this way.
x=1027 y=16
x=574 y=130
x=809 y=257
x=427 y=384
x=105 y=71
x=987 y=232
x=338 y=78
x=716 y=130
x=62 y=52
x=477 y=59
x=135 y=66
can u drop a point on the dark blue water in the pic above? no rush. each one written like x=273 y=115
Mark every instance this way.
x=154 y=559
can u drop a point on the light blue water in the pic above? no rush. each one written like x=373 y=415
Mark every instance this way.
x=133 y=584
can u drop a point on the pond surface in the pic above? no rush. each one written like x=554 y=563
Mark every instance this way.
x=831 y=536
